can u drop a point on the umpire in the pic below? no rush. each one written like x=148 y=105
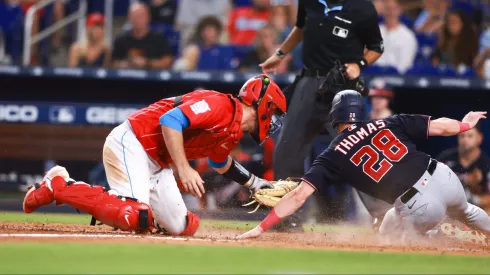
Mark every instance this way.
x=331 y=31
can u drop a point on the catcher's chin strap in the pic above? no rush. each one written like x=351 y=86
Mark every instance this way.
x=273 y=198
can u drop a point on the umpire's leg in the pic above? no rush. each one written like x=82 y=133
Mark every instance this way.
x=304 y=120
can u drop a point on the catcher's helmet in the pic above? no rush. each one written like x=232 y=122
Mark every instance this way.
x=263 y=93
x=347 y=107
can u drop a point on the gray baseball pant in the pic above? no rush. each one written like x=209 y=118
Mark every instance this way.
x=438 y=195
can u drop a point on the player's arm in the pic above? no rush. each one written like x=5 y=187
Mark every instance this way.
x=172 y=124
x=289 y=204
x=234 y=171
x=450 y=127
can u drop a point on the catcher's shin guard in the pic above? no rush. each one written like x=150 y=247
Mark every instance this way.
x=192 y=224
x=40 y=194
x=126 y=214
x=37 y=196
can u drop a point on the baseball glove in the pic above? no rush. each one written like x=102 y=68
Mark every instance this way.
x=270 y=197
x=337 y=81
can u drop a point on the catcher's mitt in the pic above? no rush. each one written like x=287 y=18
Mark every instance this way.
x=270 y=197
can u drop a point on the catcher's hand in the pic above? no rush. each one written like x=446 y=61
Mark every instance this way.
x=270 y=197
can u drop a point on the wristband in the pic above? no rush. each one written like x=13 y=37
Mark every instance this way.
x=362 y=63
x=237 y=173
x=463 y=126
x=269 y=221
x=280 y=53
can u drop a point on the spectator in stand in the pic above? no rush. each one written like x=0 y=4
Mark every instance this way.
x=482 y=61
x=471 y=165
x=400 y=43
x=190 y=12
x=93 y=50
x=458 y=41
x=380 y=103
x=163 y=11
x=140 y=48
x=379 y=5
x=246 y=21
x=205 y=53
x=431 y=19
x=266 y=44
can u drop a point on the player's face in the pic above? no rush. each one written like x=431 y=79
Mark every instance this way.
x=469 y=141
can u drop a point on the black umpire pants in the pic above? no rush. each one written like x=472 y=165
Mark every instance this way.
x=305 y=119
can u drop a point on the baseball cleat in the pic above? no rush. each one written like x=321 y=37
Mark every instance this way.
x=41 y=193
x=468 y=236
x=37 y=196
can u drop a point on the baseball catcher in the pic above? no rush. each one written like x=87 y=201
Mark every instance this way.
x=379 y=157
x=149 y=153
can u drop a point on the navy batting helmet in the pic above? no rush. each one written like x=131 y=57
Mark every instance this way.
x=347 y=107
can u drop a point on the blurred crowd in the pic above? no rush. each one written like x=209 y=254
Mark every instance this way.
x=429 y=37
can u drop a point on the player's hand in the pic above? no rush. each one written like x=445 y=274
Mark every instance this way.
x=253 y=233
x=191 y=180
x=271 y=64
x=257 y=183
x=472 y=118
x=353 y=71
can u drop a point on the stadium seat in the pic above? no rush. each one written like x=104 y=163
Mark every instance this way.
x=172 y=35
x=381 y=70
x=11 y=24
x=222 y=58
x=469 y=73
x=422 y=70
x=447 y=70
x=240 y=51
x=242 y=3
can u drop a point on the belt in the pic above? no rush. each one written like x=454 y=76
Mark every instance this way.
x=405 y=197
x=313 y=72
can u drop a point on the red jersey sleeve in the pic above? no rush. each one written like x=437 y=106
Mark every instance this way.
x=207 y=113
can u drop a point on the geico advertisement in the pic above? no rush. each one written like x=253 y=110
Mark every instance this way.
x=19 y=113
x=107 y=115
x=64 y=114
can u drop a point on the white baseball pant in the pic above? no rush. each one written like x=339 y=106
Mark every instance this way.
x=132 y=173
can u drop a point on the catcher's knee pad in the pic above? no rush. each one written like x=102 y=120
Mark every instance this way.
x=192 y=224
x=126 y=214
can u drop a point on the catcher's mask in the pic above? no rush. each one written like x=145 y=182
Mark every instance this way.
x=347 y=107
x=263 y=93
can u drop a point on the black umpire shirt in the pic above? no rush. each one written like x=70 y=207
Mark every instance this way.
x=341 y=32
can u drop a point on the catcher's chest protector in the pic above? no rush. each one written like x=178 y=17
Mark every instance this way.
x=201 y=143
x=122 y=213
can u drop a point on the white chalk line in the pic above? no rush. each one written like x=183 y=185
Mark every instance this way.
x=108 y=236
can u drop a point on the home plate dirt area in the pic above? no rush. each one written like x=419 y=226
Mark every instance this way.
x=348 y=239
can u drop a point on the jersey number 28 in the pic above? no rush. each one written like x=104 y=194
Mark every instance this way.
x=391 y=148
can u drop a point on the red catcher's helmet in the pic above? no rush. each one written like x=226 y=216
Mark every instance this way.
x=263 y=93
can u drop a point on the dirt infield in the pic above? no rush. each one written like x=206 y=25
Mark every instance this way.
x=346 y=240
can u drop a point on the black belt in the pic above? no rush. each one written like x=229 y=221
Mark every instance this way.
x=313 y=72
x=405 y=197
x=177 y=101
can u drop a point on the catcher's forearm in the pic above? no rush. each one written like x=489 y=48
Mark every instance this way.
x=235 y=172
